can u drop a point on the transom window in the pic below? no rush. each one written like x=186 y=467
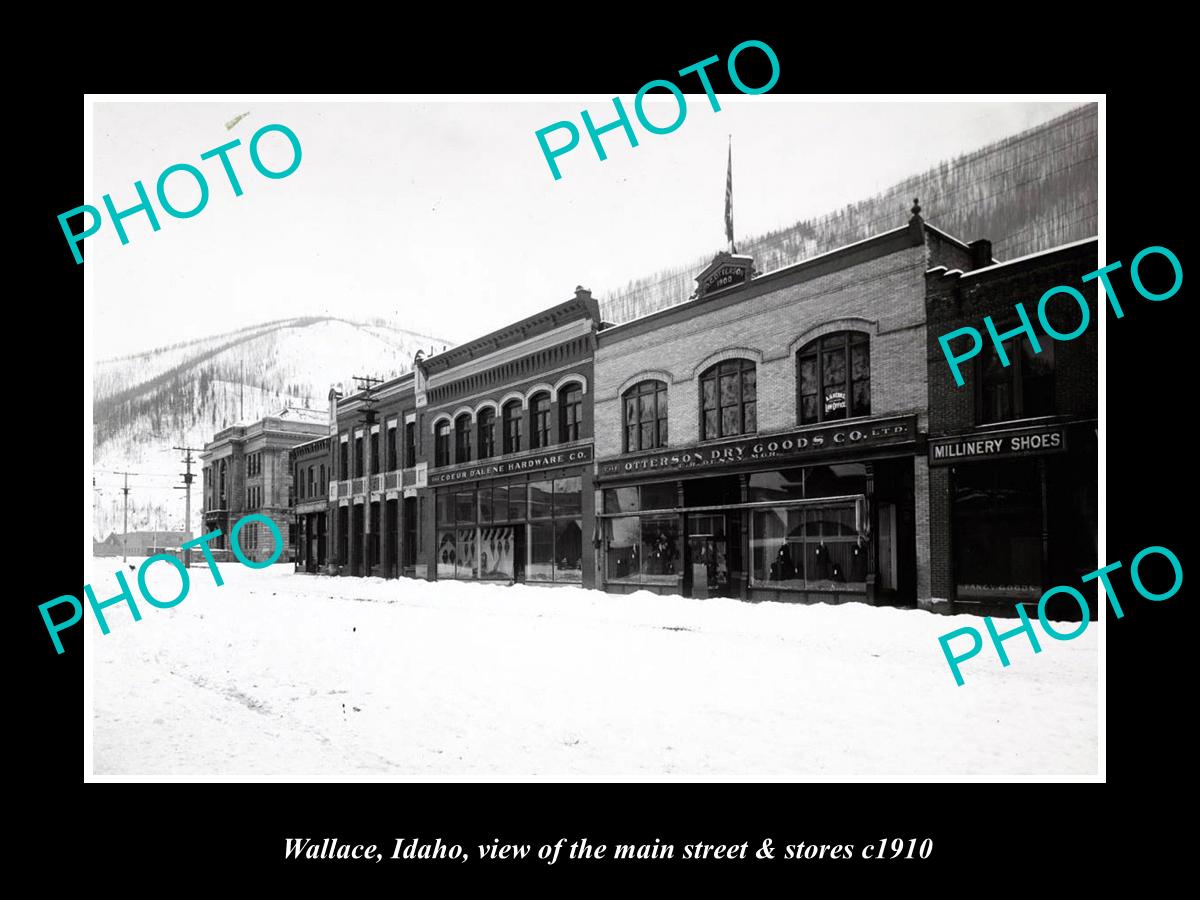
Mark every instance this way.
x=728 y=399
x=833 y=377
x=645 y=416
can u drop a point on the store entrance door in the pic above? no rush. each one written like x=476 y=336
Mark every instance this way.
x=707 y=565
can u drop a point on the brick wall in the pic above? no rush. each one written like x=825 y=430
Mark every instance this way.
x=883 y=297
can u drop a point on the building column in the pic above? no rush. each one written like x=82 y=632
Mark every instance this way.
x=923 y=538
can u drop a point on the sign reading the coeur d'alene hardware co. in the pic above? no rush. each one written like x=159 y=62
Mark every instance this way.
x=784 y=447
x=530 y=463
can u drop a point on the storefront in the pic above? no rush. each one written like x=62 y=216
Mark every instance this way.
x=526 y=519
x=1023 y=511
x=823 y=513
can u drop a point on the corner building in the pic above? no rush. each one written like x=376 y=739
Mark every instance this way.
x=766 y=440
x=506 y=426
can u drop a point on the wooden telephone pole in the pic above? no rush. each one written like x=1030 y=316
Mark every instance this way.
x=187 y=486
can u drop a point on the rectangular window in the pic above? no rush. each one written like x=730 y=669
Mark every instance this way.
x=516 y=502
x=359 y=462
x=810 y=546
x=1024 y=389
x=374 y=452
x=568 y=497
x=410 y=445
x=540 y=499
x=393 y=462
x=541 y=551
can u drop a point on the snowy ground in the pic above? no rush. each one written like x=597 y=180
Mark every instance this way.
x=289 y=675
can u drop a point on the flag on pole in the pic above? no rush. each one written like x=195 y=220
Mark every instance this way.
x=729 y=200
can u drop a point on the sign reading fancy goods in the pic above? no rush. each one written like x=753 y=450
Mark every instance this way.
x=792 y=444
x=566 y=457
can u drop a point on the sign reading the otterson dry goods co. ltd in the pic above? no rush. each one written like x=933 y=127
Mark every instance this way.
x=998 y=444
x=533 y=463
x=784 y=447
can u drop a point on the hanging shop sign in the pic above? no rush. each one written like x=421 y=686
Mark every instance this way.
x=797 y=445
x=998 y=445
x=533 y=463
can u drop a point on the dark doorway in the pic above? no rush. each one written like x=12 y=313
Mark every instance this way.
x=410 y=532
x=707 y=564
x=519 y=554
x=391 y=561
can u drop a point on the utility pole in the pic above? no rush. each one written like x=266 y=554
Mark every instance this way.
x=125 y=527
x=187 y=486
x=367 y=383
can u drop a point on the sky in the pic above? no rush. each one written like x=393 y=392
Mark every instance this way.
x=443 y=216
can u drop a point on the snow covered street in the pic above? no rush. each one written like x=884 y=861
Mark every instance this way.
x=280 y=674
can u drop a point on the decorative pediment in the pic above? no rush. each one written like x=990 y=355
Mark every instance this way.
x=725 y=271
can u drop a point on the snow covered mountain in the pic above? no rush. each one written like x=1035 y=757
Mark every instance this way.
x=182 y=394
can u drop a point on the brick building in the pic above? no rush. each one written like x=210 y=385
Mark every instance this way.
x=766 y=439
x=1013 y=451
x=375 y=501
x=506 y=430
x=312 y=475
x=246 y=469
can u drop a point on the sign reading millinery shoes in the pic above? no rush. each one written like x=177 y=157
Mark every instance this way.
x=568 y=456
x=786 y=447
x=998 y=445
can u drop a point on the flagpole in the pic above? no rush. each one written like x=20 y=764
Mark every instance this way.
x=729 y=199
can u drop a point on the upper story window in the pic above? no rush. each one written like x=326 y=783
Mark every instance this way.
x=410 y=445
x=222 y=486
x=462 y=438
x=393 y=460
x=311 y=483
x=344 y=461
x=374 y=451
x=441 y=444
x=833 y=377
x=1023 y=389
x=645 y=416
x=728 y=399
x=570 y=412
x=358 y=457
x=539 y=421
x=323 y=484
x=487 y=433
x=512 y=426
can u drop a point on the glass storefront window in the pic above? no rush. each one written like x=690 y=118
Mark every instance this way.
x=516 y=503
x=622 y=540
x=811 y=547
x=485 y=505
x=568 y=497
x=500 y=502
x=497 y=547
x=662 y=495
x=464 y=506
x=660 y=550
x=568 y=550
x=464 y=564
x=541 y=551
x=447 y=554
x=540 y=494
x=998 y=530
x=445 y=509
x=618 y=500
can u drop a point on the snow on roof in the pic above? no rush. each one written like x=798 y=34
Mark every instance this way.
x=300 y=414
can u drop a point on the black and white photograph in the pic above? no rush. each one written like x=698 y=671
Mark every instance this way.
x=530 y=438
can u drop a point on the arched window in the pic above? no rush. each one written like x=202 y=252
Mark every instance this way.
x=833 y=377
x=645 y=416
x=512 y=426
x=539 y=421
x=487 y=433
x=570 y=412
x=728 y=399
x=462 y=438
x=441 y=444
